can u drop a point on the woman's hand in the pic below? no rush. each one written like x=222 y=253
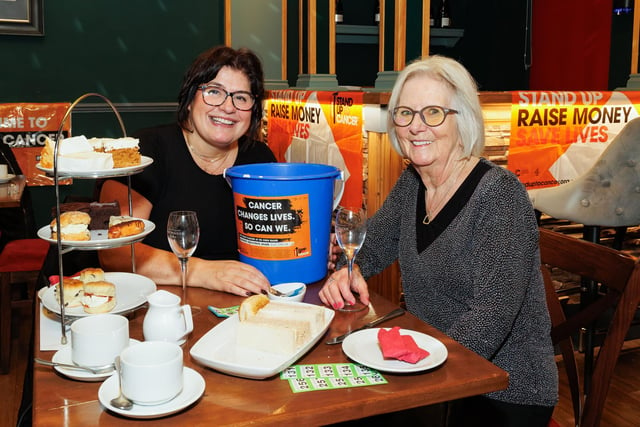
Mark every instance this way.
x=336 y=292
x=233 y=277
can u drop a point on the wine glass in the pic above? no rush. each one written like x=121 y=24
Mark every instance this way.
x=351 y=229
x=183 y=233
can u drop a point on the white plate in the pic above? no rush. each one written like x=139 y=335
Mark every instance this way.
x=102 y=173
x=99 y=238
x=363 y=347
x=7 y=178
x=192 y=390
x=217 y=349
x=131 y=292
x=64 y=356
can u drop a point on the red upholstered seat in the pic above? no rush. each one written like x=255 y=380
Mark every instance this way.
x=23 y=255
x=20 y=262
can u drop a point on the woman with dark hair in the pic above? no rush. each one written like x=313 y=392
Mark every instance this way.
x=218 y=119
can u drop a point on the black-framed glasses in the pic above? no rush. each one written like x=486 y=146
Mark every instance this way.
x=431 y=115
x=215 y=95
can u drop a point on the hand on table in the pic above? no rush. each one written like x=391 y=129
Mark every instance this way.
x=336 y=292
x=236 y=278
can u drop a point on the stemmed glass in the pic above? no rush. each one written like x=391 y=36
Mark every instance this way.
x=183 y=233
x=351 y=229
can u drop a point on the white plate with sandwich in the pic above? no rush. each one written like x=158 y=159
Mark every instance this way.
x=131 y=291
x=265 y=345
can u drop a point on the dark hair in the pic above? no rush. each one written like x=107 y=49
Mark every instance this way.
x=207 y=66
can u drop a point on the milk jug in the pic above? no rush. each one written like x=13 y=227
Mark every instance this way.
x=166 y=319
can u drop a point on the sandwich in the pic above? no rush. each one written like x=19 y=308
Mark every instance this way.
x=251 y=306
x=278 y=328
x=123 y=226
x=99 y=297
x=73 y=292
x=74 y=225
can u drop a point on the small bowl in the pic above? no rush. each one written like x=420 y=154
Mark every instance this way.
x=286 y=288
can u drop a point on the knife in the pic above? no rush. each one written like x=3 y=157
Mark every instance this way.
x=395 y=313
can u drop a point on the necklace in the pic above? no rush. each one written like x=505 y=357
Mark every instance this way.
x=211 y=165
x=202 y=156
x=436 y=207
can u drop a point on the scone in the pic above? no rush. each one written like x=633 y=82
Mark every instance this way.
x=73 y=292
x=99 y=297
x=91 y=275
x=74 y=226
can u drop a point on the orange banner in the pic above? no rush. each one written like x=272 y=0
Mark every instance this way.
x=557 y=136
x=24 y=127
x=319 y=127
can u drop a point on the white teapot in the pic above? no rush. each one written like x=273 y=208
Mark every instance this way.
x=166 y=319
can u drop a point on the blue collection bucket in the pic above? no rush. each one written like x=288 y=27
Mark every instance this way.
x=283 y=217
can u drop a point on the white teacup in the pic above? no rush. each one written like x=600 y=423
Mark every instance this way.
x=96 y=340
x=3 y=171
x=151 y=372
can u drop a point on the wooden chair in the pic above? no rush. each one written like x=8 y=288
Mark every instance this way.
x=620 y=273
x=20 y=262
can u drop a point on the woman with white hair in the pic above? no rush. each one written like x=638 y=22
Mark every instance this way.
x=466 y=238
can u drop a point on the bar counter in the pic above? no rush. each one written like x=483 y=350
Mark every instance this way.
x=229 y=400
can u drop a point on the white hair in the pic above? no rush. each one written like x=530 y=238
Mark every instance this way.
x=464 y=99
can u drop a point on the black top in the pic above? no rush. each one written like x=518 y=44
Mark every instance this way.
x=427 y=233
x=174 y=182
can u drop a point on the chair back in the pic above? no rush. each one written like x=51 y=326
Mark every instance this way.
x=619 y=274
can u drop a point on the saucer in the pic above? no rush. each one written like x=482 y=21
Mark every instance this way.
x=191 y=391
x=64 y=356
x=7 y=178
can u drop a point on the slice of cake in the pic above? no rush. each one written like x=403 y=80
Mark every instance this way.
x=101 y=213
x=125 y=151
x=74 y=154
x=278 y=328
x=85 y=162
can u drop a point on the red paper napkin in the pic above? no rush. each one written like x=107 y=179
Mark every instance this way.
x=401 y=347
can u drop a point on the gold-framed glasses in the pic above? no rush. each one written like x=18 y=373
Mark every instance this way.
x=431 y=115
x=215 y=95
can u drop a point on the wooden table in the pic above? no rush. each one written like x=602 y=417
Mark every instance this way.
x=11 y=192
x=230 y=400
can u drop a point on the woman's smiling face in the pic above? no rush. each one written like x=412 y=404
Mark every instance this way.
x=222 y=125
x=425 y=145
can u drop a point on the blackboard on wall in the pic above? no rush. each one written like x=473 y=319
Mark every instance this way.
x=130 y=52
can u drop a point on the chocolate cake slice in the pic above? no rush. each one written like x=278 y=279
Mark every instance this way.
x=101 y=212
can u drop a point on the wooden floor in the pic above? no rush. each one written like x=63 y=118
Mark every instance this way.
x=622 y=408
